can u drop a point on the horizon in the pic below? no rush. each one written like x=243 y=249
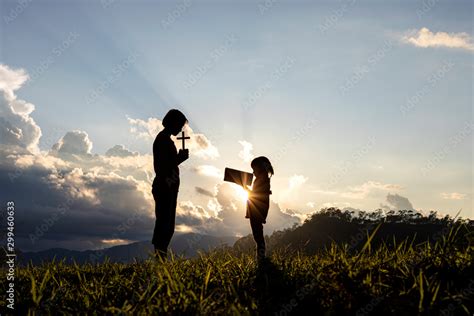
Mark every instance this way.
x=359 y=106
x=118 y=243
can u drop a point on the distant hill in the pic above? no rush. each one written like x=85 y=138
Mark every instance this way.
x=316 y=233
x=343 y=227
x=188 y=245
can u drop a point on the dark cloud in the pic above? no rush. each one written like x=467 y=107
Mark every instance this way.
x=204 y=192
x=65 y=206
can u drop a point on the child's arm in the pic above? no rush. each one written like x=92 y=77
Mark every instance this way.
x=260 y=188
x=256 y=192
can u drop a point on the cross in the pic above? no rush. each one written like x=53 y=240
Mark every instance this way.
x=183 y=138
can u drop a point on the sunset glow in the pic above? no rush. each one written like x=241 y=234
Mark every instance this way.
x=241 y=193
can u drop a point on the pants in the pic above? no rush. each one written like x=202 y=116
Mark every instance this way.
x=165 y=212
x=257 y=231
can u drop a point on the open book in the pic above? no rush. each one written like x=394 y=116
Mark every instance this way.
x=241 y=178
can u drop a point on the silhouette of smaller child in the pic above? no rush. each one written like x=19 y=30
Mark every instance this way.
x=258 y=201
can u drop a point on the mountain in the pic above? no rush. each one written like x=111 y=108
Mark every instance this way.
x=188 y=245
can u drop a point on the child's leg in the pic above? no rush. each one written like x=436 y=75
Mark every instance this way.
x=257 y=231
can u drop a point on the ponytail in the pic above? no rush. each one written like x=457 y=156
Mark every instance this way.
x=264 y=163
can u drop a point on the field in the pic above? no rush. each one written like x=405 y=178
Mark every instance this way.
x=402 y=280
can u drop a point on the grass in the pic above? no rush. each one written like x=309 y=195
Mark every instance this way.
x=404 y=280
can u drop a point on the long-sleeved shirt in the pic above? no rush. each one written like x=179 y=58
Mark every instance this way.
x=259 y=199
x=165 y=163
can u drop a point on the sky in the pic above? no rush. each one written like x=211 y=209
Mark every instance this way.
x=361 y=105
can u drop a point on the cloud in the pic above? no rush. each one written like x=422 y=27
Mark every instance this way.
x=69 y=197
x=397 y=202
x=10 y=79
x=425 y=38
x=199 y=145
x=147 y=129
x=353 y=210
x=453 y=196
x=181 y=228
x=204 y=192
x=17 y=128
x=225 y=214
x=296 y=181
x=246 y=153
x=73 y=198
x=63 y=206
x=194 y=216
x=120 y=151
x=115 y=242
x=233 y=208
x=209 y=171
x=290 y=197
x=368 y=188
x=73 y=143
x=74 y=148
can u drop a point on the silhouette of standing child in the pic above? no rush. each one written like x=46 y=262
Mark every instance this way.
x=258 y=201
x=166 y=160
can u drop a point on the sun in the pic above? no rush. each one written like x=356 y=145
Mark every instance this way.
x=241 y=193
